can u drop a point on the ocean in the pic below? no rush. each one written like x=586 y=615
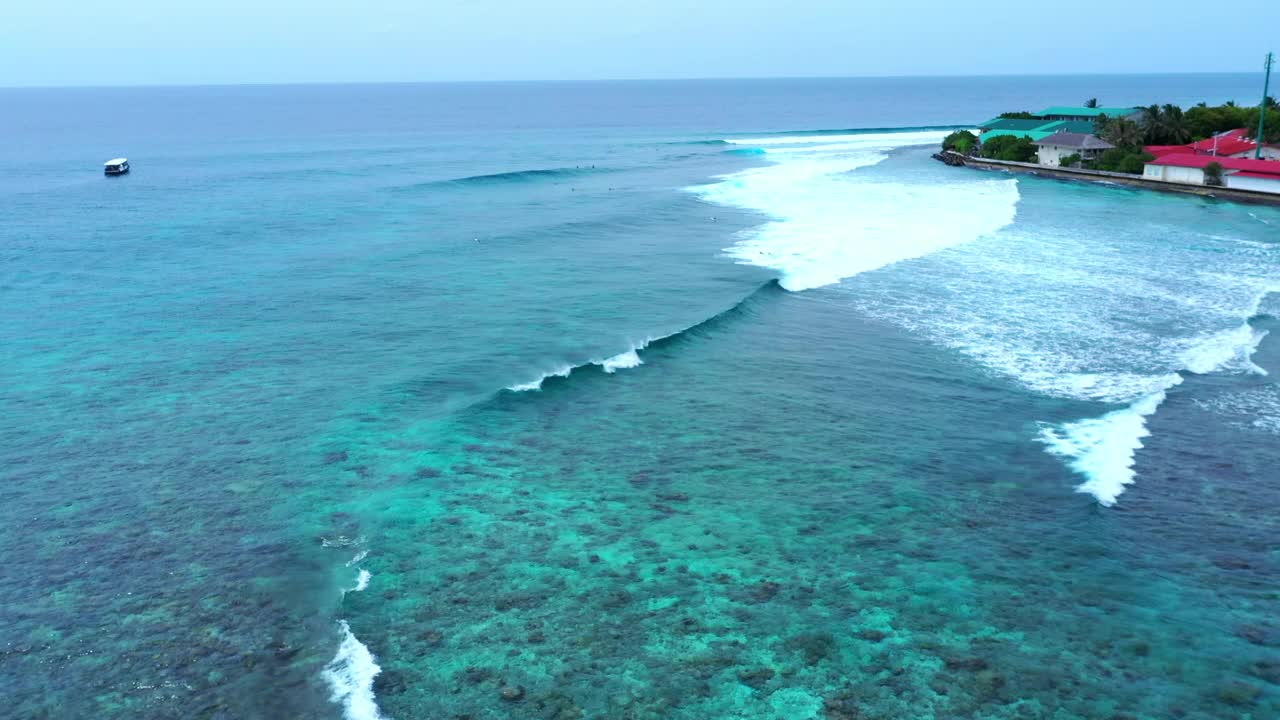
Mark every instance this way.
x=689 y=400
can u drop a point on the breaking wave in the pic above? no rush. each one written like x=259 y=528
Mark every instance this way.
x=1090 y=310
x=626 y=359
x=1102 y=449
x=350 y=676
x=630 y=358
x=1093 y=316
x=828 y=223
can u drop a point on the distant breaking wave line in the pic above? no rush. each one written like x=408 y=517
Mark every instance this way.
x=510 y=177
x=865 y=130
x=895 y=138
x=527 y=175
x=626 y=359
x=630 y=358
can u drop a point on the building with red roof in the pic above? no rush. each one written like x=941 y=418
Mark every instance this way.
x=1232 y=143
x=1237 y=173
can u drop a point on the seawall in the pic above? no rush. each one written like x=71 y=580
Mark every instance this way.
x=1110 y=178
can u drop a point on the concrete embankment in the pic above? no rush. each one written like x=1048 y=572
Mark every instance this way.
x=1109 y=178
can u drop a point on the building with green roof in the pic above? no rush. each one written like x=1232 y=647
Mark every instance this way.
x=1071 y=112
x=1034 y=129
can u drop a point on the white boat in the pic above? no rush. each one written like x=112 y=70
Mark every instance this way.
x=118 y=166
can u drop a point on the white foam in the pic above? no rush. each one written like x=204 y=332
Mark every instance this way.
x=621 y=361
x=362 y=580
x=628 y=358
x=1256 y=408
x=358 y=557
x=1089 y=305
x=828 y=223
x=350 y=677
x=537 y=384
x=341 y=541
x=1103 y=449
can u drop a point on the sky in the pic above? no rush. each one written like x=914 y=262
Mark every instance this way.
x=145 y=42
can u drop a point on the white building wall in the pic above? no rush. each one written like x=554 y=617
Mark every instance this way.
x=1191 y=176
x=1251 y=183
x=1050 y=154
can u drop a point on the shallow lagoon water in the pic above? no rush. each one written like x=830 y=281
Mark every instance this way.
x=263 y=461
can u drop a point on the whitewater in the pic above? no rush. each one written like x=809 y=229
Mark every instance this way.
x=351 y=672
x=1109 y=310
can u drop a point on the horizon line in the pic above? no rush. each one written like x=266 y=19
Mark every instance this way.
x=319 y=83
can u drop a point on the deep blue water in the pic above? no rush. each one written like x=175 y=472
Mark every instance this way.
x=707 y=399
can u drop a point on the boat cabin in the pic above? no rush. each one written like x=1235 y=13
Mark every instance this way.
x=119 y=166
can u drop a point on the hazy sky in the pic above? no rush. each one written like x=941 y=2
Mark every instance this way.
x=126 y=42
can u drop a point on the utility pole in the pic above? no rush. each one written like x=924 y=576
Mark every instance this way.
x=1262 y=109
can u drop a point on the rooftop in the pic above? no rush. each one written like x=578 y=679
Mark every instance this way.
x=1014 y=124
x=1227 y=143
x=117 y=161
x=1268 y=168
x=1036 y=129
x=1087 y=112
x=1078 y=141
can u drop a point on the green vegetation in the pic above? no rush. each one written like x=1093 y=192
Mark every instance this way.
x=1155 y=124
x=1128 y=137
x=1071 y=160
x=1213 y=174
x=1204 y=121
x=1120 y=132
x=961 y=141
x=1007 y=147
x=1122 y=160
x=1165 y=125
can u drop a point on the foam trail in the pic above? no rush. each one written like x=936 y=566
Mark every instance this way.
x=350 y=676
x=1103 y=449
x=358 y=557
x=1228 y=350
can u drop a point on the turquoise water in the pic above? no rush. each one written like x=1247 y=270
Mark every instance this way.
x=625 y=400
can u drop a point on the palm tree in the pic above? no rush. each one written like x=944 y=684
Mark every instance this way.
x=1123 y=133
x=1174 y=124
x=1152 y=125
x=1100 y=125
x=1091 y=103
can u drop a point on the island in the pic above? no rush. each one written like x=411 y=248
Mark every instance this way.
x=1227 y=151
